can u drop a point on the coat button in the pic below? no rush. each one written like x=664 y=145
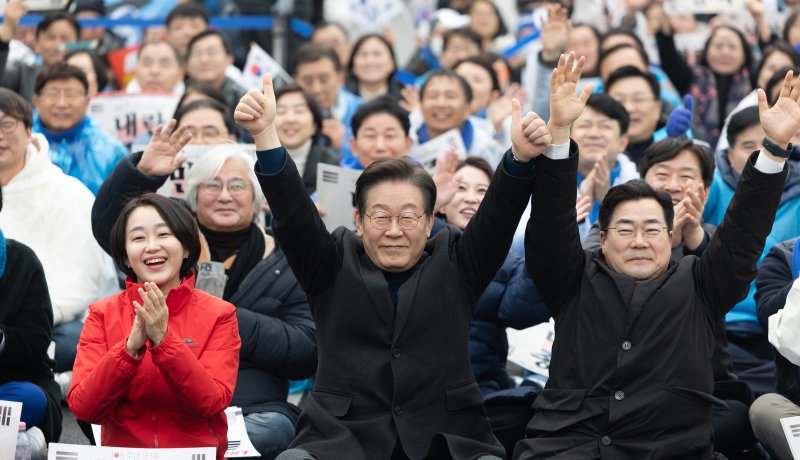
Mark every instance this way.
x=606 y=440
x=619 y=395
x=626 y=345
x=398 y=410
x=277 y=272
x=396 y=353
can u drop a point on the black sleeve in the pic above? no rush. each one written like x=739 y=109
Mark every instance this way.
x=28 y=333
x=486 y=241
x=125 y=183
x=553 y=252
x=310 y=249
x=773 y=282
x=679 y=73
x=729 y=263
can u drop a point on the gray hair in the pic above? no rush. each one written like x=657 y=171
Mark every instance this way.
x=209 y=166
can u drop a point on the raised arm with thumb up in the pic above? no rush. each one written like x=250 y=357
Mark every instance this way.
x=255 y=112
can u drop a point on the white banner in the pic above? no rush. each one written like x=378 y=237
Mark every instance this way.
x=174 y=186
x=702 y=6
x=532 y=348
x=10 y=412
x=58 y=451
x=128 y=116
x=428 y=152
x=37 y=5
x=336 y=188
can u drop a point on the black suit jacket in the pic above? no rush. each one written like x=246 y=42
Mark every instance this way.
x=630 y=376
x=386 y=374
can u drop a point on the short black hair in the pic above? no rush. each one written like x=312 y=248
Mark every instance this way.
x=187 y=10
x=776 y=80
x=777 y=47
x=382 y=104
x=447 y=73
x=313 y=106
x=14 y=105
x=463 y=32
x=179 y=220
x=605 y=104
x=59 y=71
x=740 y=121
x=206 y=89
x=621 y=31
x=50 y=18
x=478 y=163
x=223 y=110
x=634 y=190
x=487 y=63
x=313 y=52
x=670 y=147
x=209 y=33
x=787 y=25
x=323 y=24
x=172 y=47
x=502 y=29
x=360 y=42
x=748 y=53
x=630 y=71
x=100 y=68
x=622 y=46
x=395 y=169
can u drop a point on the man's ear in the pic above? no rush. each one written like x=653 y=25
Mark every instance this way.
x=359 y=223
x=603 y=242
x=623 y=143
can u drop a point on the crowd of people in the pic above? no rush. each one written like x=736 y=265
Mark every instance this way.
x=623 y=169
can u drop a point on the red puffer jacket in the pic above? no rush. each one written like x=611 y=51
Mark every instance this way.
x=175 y=394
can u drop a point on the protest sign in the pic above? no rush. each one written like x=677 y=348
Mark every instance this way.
x=791 y=429
x=239 y=444
x=10 y=412
x=58 y=451
x=336 y=188
x=428 y=152
x=128 y=116
x=532 y=348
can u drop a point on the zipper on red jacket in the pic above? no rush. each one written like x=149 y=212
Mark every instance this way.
x=154 y=392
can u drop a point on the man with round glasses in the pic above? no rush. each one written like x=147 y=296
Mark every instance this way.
x=393 y=308
x=630 y=375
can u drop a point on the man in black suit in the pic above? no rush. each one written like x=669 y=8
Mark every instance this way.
x=392 y=307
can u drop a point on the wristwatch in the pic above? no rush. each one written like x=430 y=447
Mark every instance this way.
x=776 y=149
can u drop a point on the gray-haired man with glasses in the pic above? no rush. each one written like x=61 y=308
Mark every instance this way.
x=393 y=307
x=631 y=374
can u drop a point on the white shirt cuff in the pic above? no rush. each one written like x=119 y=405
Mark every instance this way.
x=560 y=151
x=767 y=165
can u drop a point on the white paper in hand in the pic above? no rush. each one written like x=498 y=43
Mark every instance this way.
x=58 y=451
x=10 y=412
x=239 y=444
x=791 y=429
x=532 y=348
x=428 y=152
x=336 y=188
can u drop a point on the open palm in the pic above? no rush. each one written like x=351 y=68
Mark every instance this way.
x=782 y=120
x=160 y=156
x=565 y=104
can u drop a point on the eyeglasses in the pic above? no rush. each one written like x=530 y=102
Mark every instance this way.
x=234 y=186
x=382 y=220
x=650 y=232
x=70 y=94
x=8 y=125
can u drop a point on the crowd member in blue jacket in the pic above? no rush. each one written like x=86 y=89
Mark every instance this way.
x=752 y=354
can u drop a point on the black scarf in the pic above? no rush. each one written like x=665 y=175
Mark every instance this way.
x=247 y=245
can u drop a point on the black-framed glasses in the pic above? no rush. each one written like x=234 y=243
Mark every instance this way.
x=381 y=220
x=8 y=125
x=649 y=232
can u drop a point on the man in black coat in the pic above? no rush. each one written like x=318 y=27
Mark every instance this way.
x=392 y=307
x=630 y=376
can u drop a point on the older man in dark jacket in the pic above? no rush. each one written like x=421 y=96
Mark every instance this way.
x=630 y=375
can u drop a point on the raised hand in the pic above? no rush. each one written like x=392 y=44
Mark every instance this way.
x=255 y=112
x=14 y=11
x=782 y=120
x=500 y=108
x=153 y=312
x=583 y=206
x=555 y=32
x=444 y=178
x=529 y=135
x=409 y=100
x=680 y=120
x=137 y=338
x=160 y=155
x=565 y=104
x=602 y=177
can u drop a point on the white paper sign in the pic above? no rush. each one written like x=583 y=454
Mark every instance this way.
x=702 y=6
x=791 y=429
x=428 y=152
x=128 y=116
x=10 y=412
x=373 y=14
x=532 y=348
x=58 y=451
x=239 y=444
x=336 y=188
x=37 y=5
x=174 y=186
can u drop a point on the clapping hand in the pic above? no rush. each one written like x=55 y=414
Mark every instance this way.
x=583 y=206
x=688 y=216
x=160 y=155
x=782 y=120
x=596 y=184
x=529 y=134
x=565 y=104
x=153 y=312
